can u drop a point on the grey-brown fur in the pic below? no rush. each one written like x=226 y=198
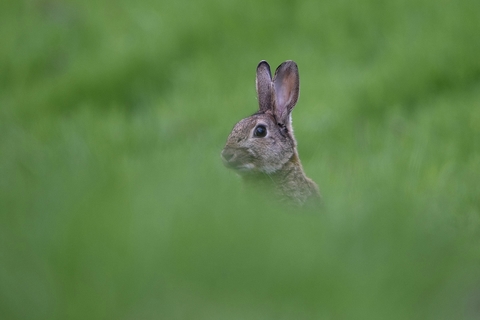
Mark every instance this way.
x=273 y=158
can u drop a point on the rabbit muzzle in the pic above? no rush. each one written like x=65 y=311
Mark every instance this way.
x=237 y=159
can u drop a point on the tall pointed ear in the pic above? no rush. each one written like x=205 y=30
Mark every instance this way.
x=287 y=87
x=264 y=86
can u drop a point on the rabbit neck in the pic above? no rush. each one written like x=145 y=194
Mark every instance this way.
x=292 y=182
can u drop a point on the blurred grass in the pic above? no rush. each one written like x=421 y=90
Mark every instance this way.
x=114 y=203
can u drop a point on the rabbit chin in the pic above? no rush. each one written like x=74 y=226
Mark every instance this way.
x=245 y=168
x=250 y=168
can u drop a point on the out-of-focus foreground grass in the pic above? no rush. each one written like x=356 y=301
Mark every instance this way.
x=114 y=202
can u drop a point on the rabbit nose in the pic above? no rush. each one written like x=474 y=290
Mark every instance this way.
x=227 y=155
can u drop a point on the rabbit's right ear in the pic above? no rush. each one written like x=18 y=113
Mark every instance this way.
x=264 y=84
x=287 y=87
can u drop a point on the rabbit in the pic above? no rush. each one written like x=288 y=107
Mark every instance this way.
x=262 y=148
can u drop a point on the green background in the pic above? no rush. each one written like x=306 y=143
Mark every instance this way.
x=114 y=203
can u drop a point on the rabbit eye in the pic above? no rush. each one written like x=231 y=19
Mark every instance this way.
x=260 y=131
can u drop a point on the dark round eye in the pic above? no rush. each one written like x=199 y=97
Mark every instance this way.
x=260 y=131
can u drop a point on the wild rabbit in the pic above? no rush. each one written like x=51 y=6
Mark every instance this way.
x=262 y=148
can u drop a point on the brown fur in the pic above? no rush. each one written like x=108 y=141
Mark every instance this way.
x=272 y=159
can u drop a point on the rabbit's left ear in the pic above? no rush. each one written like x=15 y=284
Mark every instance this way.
x=264 y=86
x=287 y=86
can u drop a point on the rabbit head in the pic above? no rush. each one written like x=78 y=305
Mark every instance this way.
x=264 y=142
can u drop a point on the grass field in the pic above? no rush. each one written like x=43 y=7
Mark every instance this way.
x=114 y=203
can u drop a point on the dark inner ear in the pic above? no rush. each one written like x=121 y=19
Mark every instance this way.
x=264 y=86
x=286 y=82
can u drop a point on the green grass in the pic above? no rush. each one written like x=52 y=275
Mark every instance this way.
x=114 y=203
